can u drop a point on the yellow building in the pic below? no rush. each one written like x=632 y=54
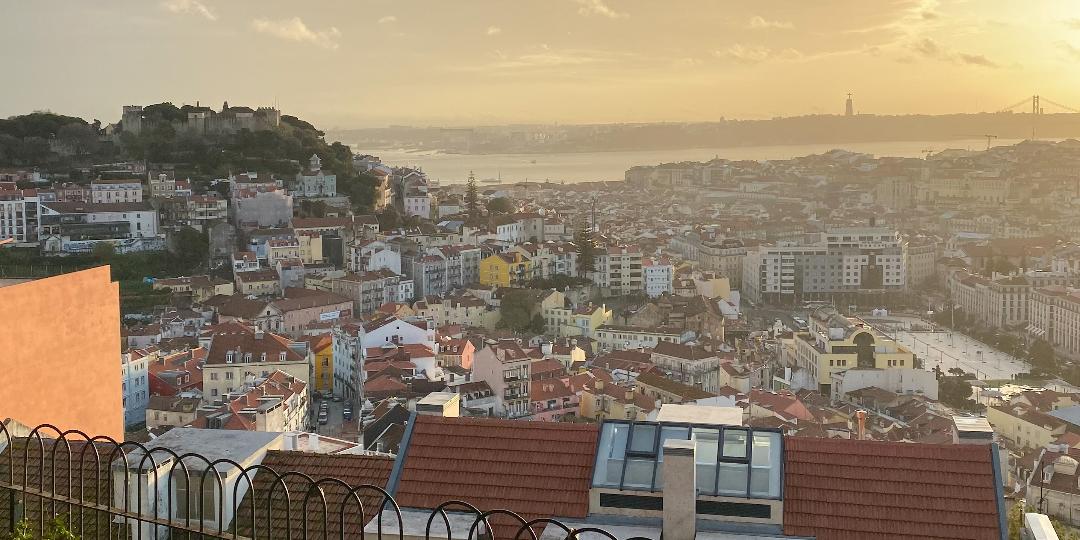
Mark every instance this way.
x=583 y=321
x=606 y=400
x=505 y=269
x=1024 y=426
x=322 y=351
x=836 y=343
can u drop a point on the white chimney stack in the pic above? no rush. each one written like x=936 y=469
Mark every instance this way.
x=680 y=490
x=313 y=442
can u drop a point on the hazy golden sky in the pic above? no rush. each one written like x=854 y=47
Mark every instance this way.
x=355 y=63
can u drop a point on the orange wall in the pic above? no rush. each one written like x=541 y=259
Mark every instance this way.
x=60 y=353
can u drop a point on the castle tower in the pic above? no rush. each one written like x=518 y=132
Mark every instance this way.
x=849 y=107
x=315 y=163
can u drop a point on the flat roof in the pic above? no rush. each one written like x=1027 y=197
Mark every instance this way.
x=700 y=414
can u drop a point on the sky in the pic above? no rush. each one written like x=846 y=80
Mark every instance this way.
x=369 y=63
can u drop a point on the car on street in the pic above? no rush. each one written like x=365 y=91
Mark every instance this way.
x=346 y=413
x=324 y=418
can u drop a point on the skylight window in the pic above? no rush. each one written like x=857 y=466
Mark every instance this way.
x=731 y=461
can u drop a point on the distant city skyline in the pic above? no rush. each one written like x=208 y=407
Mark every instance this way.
x=379 y=62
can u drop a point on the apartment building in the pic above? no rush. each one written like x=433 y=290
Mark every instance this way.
x=1054 y=315
x=19 y=215
x=998 y=302
x=369 y=290
x=238 y=355
x=657 y=276
x=505 y=367
x=618 y=270
x=692 y=365
x=135 y=383
x=920 y=261
x=77 y=227
x=116 y=191
x=842 y=260
x=613 y=337
x=352 y=341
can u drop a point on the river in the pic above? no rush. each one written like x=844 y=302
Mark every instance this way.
x=597 y=166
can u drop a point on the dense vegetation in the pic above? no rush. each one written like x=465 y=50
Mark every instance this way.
x=66 y=144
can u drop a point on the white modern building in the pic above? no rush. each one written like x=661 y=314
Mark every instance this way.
x=658 y=275
x=116 y=191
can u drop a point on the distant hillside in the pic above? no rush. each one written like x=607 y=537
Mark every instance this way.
x=817 y=129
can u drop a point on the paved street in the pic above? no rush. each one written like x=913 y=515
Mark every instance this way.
x=336 y=426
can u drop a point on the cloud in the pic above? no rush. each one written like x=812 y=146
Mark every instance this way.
x=598 y=7
x=1073 y=23
x=493 y=31
x=1070 y=50
x=756 y=54
x=543 y=57
x=189 y=6
x=294 y=29
x=976 y=60
x=931 y=49
x=758 y=22
x=387 y=19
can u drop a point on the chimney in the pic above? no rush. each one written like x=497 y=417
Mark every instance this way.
x=292 y=441
x=861 y=415
x=259 y=334
x=599 y=385
x=629 y=395
x=680 y=490
x=313 y=442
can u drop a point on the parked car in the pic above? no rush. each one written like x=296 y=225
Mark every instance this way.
x=323 y=418
x=347 y=414
x=337 y=397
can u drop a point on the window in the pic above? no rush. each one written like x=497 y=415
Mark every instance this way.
x=188 y=501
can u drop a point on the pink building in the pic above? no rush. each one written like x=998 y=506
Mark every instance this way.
x=551 y=399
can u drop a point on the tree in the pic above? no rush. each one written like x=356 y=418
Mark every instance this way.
x=956 y=392
x=1042 y=355
x=472 y=200
x=516 y=310
x=500 y=205
x=192 y=248
x=586 y=249
x=104 y=251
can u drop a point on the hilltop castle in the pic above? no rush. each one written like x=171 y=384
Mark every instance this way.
x=202 y=120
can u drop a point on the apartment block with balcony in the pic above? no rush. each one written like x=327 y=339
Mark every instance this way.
x=1054 y=315
x=505 y=367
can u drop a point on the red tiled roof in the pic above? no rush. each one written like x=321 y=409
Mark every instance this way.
x=867 y=490
x=537 y=469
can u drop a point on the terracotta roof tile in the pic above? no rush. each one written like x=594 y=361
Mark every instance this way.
x=536 y=469
x=866 y=490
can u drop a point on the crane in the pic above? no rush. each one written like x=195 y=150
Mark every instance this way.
x=988 y=138
x=927 y=151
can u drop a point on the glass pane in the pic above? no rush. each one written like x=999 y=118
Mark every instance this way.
x=609 y=455
x=668 y=432
x=765 y=475
x=732 y=479
x=735 y=443
x=765 y=444
x=639 y=473
x=644 y=439
x=708 y=443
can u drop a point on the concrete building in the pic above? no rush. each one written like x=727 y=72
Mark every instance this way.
x=116 y=191
x=78 y=227
x=1054 y=315
x=238 y=355
x=836 y=343
x=135 y=384
x=618 y=270
x=839 y=261
x=657 y=276
x=41 y=383
x=19 y=215
x=504 y=366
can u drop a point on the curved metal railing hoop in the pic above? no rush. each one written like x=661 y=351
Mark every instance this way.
x=62 y=437
x=288 y=498
x=90 y=443
x=82 y=455
x=387 y=498
x=119 y=450
x=220 y=489
x=157 y=480
x=441 y=510
x=36 y=434
x=181 y=461
x=483 y=517
x=576 y=533
x=322 y=497
x=546 y=521
x=237 y=502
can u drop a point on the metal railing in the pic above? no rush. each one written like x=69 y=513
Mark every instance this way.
x=97 y=487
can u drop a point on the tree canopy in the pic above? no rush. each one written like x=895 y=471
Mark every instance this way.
x=516 y=312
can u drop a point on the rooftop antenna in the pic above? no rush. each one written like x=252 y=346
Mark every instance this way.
x=988 y=138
